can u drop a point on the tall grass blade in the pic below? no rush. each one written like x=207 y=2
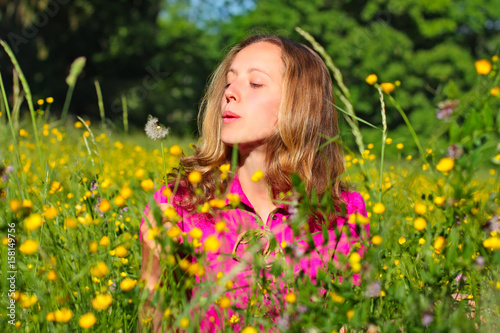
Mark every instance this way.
x=75 y=70
x=29 y=99
x=101 y=104
x=125 y=114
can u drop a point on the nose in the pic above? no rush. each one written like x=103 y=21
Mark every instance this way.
x=231 y=93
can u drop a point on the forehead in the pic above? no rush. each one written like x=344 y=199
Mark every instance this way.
x=262 y=56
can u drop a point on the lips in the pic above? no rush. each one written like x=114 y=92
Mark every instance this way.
x=229 y=115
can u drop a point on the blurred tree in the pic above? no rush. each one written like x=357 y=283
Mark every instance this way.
x=422 y=43
x=159 y=53
x=144 y=50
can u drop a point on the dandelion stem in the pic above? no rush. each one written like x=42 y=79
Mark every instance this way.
x=164 y=163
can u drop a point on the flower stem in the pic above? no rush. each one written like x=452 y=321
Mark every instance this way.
x=164 y=163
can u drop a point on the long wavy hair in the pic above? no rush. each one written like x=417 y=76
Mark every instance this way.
x=306 y=120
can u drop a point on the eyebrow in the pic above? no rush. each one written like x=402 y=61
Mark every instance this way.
x=253 y=69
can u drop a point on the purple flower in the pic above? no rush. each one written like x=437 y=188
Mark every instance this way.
x=480 y=261
x=283 y=322
x=492 y=224
x=302 y=309
x=373 y=289
x=446 y=108
x=427 y=319
x=460 y=277
x=454 y=151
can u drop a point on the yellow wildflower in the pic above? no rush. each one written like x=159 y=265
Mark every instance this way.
x=220 y=226
x=211 y=244
x=483 y=66
x=379 y=208
x=224 y=302
x=119 y=200
x=174 y=232
x=258 y=176
x=33 y=222
x=420 y=208
x=28 y=301
x=350 y=314
x=196 y=233
x=445 y=164
x=184 y=322
x=387 y=87
x=87 y=320
x=15 y=205
x=128 y=284
x=51 y=275
x=290 y=298
x=175 y=150
x=50 y=212
x=63 y=315
x=99 y=270
x=439 y=243
x=147 y=185
x=29 y=246
x=93 y=247
x=377 y=240
x=50 y=317
x=104 y=241
x=371 y=79
x=71 y=223
x=140 y=173
x=439 y=201
x=121 y=251
x=420 y=223
x=492 y=243
x=336 y=297
x=126 y=192
x=195 y=177
x=102 y=301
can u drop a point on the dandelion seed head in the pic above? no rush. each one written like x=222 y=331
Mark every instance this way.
x=154 y=130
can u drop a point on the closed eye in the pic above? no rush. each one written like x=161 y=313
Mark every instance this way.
x=256 y=85
x=227 y=85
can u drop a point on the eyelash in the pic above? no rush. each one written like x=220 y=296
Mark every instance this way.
x=253 y=85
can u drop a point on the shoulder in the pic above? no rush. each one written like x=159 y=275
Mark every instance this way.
x=354 y=203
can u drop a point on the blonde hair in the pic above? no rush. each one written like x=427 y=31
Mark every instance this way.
x=306 y=120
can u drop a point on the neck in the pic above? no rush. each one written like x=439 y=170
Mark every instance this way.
x=251 y=162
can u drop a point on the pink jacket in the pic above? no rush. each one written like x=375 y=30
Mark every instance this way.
x=238 y=220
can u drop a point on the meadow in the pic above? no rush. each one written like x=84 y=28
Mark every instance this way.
x=73 y=194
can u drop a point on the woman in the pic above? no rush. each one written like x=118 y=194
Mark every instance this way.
x=272 y=98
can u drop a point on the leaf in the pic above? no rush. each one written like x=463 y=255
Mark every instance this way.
x=487 y=116
x=454 y=132
x=354 y=116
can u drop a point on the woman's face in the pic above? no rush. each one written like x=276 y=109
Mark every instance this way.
x=253 y=95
